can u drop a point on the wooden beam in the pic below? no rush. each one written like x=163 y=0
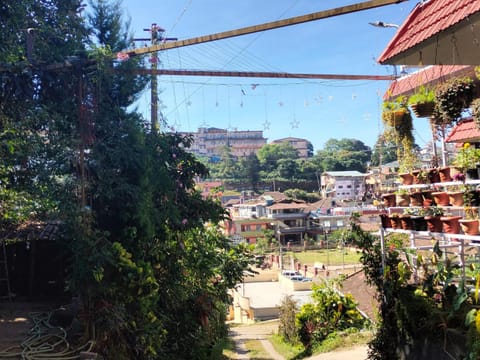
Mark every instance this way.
x=263 y=27
x=254 y=74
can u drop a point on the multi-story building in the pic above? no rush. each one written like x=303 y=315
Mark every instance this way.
x=343 y=185
x=303 y=147
x=209 y=142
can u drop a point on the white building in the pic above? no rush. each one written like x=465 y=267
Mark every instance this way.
x=343 y=185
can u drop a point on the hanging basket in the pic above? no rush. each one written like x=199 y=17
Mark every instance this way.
x=394 y=118
x=422 y=110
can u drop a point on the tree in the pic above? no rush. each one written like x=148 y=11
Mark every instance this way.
x=271 y=154
x=151 y=274
x=383 y=152
x=344 y=154
x=250 y=167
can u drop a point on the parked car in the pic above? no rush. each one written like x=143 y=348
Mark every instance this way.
x=300 y=278
x=290 y=273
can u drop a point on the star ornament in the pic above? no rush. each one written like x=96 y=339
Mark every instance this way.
x=295 y=123
x=266 y=125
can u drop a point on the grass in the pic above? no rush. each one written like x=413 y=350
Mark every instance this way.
x=335 y=341
x=331 y=256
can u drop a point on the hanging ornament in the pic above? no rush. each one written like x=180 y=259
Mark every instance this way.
x=294 y=123
x=280 y=103
x=266 y=125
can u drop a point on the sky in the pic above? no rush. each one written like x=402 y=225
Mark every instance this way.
x=316 y=110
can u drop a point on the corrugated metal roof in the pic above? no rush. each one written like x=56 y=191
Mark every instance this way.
x=428 y=76
x=426 y=20
x=465 y=131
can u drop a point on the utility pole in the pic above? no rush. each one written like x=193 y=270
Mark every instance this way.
x=156 y=36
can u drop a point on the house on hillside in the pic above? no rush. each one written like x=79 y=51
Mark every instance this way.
x=303 y=147
x=343 y=185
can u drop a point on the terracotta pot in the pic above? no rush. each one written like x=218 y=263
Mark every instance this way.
x=406 y=222
x=444 y=173
x=441 y=198
x=427 y=198
x=389 y=200
x=434 y=224
x=419 y=223
x=455 y=198
x=451 y=224
x=469 y=227
x=406 y=178
x=416 y=199
x=402 y=199
x=395 y=221
x=433 y=175
x=385 y=221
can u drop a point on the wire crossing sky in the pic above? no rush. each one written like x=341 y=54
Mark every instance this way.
x=316 y=110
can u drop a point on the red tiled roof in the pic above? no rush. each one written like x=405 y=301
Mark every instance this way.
x=465 y=131
x=426 y=20
x=428 y=76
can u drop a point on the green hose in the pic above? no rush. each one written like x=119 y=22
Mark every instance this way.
x=45 y=341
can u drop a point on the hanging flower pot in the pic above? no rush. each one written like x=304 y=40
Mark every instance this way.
x=422 y=102
x=454 y=96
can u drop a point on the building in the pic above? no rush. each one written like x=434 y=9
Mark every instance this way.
x=304 y=147
x=343 y=185
x=210 y=142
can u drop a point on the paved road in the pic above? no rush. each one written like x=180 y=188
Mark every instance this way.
x=262 y=331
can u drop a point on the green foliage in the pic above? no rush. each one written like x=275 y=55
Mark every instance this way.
x=453 y=97
x=287 y=315
x=329 y=312
x=421 y=96
x=344 y=154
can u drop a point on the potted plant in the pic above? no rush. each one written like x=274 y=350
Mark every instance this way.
x=389 y=200
x=469 y=223
x=453 y=96
x=456 y=194
x=416 y=218
x=451 y=223
x=422 y=102
x=402 y=197
x=395 y=221
x=432 y=217
x=466 y=159
x=394 y=112
x=441 y=197
x=475 y=110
